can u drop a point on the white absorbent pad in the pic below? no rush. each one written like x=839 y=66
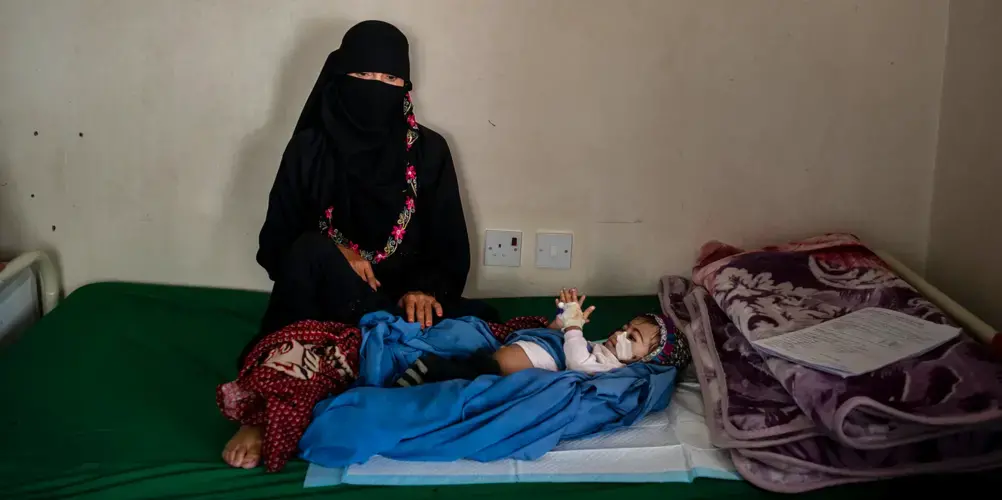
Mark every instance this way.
x=668 y=446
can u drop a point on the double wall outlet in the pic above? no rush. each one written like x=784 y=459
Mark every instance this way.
x=503 y=248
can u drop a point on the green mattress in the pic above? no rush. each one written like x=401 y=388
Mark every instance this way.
x=112 y=395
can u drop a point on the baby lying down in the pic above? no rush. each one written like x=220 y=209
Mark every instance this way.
x=648 y=338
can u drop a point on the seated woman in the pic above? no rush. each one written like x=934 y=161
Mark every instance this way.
x=365 y=215
x=647 y=338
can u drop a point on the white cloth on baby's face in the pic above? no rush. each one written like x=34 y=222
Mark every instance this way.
x=624 y=347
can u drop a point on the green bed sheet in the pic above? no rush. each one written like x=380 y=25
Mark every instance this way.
x=112 y=395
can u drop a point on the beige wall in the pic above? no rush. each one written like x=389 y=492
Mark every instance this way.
x=645 y=127
x=965 y=247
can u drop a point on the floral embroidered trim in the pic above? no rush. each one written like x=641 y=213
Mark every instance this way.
x=400 y=229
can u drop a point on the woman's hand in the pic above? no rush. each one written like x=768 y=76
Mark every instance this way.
x=565 y=297
x=361 y=267
x=419 y=307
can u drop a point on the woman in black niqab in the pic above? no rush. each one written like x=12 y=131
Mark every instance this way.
x=364 y=215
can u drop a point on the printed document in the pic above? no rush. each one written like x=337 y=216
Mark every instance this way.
x=859 y=342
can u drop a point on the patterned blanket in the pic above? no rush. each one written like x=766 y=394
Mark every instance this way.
x=792 y=428
x=286 y=374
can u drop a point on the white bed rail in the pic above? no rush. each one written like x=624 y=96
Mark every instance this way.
x=973 y=324
x=48 y=276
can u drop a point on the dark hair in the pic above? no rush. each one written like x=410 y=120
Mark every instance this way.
x=647 y=320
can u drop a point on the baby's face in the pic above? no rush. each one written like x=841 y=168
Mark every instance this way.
x=643 y=335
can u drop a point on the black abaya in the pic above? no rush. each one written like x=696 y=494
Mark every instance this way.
x=434 y=256
x=331 y=162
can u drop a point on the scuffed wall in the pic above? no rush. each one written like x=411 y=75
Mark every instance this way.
x=645 y=127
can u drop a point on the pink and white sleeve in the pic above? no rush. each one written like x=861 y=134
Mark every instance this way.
x=576 y=352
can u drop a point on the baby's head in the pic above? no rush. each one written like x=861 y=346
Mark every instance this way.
x=650 y=338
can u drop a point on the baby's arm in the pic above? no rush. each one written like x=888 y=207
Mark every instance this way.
x=576 y=352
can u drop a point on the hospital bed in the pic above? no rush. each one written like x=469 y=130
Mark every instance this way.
x=29 y=289
x=111 y=395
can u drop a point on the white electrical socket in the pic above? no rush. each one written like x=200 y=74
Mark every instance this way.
x=503 y=248
x=553 y=250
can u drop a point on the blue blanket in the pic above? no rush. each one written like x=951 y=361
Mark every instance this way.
x=390 y=344
x=521 y=416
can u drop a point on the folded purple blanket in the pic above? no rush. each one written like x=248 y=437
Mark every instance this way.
x=793 y=428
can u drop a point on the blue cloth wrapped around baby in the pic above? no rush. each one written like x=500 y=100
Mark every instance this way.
x=520 y=416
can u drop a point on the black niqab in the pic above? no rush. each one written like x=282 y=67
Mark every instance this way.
x=367 y=46
x=364 y=129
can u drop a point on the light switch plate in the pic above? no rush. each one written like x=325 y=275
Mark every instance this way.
x=503 y=248
x=554 y=250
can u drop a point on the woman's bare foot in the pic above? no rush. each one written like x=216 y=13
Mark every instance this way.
x=244 y=448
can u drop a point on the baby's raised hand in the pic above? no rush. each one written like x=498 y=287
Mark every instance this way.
x=572 y=312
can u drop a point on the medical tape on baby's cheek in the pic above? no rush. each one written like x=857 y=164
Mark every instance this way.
x=624 y=347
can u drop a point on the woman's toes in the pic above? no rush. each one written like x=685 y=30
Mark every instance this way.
x=251 y=460
x=239 y=454
x=244 y=448
x=228 y=454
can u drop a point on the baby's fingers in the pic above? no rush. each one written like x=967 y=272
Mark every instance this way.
x=587 y=312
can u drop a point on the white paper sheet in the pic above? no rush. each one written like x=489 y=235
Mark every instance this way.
x=859 y=342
